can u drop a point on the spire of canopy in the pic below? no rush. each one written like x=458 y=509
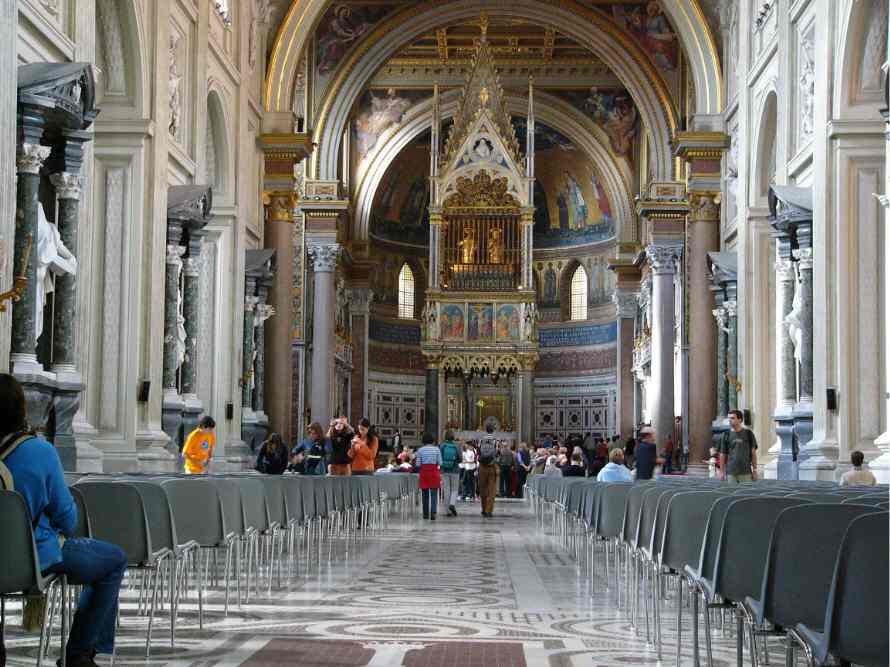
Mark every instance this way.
x=482 y=92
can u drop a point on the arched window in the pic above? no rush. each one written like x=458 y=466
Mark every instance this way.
x=579 y=294
x=406 y=292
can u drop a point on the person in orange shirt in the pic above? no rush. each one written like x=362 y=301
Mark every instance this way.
x=363 y=451
x=198 y=448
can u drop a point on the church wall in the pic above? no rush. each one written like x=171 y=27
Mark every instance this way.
x=122 y=235
x=396 y=402
x=804 y=90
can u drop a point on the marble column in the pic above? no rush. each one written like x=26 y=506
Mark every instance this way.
x=626 y=303
x=29 y=160
x=880 y=467
x=259 y=367
x=431 y=402
x=360 y=312
x=435 y=250
x=172 y=402
x=68 y=188
x=732 y=353
x=803 y=409
x=66 y=398
x=700 y=340
x=250 y=303
x=527 y=408
x=191 y=294
x=786 y=365
x=662 y=259
x=324 y=262
x=8 y=93
x=719 y=425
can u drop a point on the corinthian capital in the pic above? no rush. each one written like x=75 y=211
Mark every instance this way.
x=324 y=257
x=705 y=208
x=359 y=300
x=68 y=186
x=663 y=258
x=30 y=157
x=627 y=303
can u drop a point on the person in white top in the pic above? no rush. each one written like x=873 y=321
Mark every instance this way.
x=858 y=476
x=468 y=467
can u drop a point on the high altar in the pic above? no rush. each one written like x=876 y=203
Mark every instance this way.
x=479 y=324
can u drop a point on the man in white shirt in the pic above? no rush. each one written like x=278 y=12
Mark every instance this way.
x=858 y=476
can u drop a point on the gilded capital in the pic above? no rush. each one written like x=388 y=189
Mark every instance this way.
x=705 y=207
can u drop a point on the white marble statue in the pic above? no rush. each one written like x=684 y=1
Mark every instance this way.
x=793 y=322
x=53 y=259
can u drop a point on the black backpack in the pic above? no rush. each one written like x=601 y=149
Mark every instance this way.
x=488 y=450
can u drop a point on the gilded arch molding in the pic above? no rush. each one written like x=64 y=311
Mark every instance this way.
x=686 y=16
x=548 y=110
x=599 y=34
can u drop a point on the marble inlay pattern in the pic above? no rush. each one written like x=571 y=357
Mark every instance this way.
x=458 y=592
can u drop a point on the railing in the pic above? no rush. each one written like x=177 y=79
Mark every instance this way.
x=481 y=250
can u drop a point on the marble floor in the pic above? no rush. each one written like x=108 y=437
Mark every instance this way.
x=462 y=591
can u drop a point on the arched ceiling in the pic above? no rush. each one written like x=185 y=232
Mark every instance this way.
x=693 y=21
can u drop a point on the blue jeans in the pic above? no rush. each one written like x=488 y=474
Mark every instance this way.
x=430 y=500
x=99 y=567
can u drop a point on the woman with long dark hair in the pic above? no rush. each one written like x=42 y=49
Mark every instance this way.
x=97 y=566
x=363 y=450
x=272 y=457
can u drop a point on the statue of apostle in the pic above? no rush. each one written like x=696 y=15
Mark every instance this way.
x=467 y=246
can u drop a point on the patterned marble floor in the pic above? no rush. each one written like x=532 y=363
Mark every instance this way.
x=462 y=591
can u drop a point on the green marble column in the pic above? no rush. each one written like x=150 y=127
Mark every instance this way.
x=191 y=293
x=29 y=160
x=250 y=303
x=68 y=188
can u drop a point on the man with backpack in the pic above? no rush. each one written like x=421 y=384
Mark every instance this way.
x=488 y=470
x=451 y=459
x=506 y=461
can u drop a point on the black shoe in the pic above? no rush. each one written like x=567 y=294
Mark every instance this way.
x=452 y=510
x=426 y=516
x=82 y=660
x=432 y=517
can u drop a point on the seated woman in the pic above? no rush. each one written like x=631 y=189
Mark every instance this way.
x=272 y=457
x=98 y=566
x=576 y=467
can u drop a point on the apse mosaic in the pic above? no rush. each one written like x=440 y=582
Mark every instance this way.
x=572 y=206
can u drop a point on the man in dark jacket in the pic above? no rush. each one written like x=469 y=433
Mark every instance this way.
x=646 y=454
x=340 y=435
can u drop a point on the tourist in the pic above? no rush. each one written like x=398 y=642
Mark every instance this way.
x=505 y=466
x=406 y=455
x=615 y=470
x=363 y=449
x=738 y=451
x=539 y=461
x=629 y=450
x=308 y=457
x=469 y=463
x=97 y=566
x=429 y=459
x=858 y=476
x=451 y=459
x=390 y=465
x=551 y=468
x=668 y=456
x=397 y=442
x=646 y=454
x=198 y=448
x=523 y=468
x=271 y=458
x=488 y=471
x=576 y=467
x=340 y=437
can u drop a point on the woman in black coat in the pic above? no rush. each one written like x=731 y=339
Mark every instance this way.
x=272 y=456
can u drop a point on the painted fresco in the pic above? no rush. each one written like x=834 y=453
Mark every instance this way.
x=508 y=322
x=377 y=111
x=451 y=322
x=650 y=26
x=342 y=27
x=400 y=211
x=479 y=321
x=613 y=109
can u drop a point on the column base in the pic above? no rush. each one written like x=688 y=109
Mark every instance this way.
x=158 y=459
x=191 y=414
x=786 y=458
x=171 y=422
x=880 y=467
x=88 y=458
x=238 y=456
x=802 y=414
x=252 y=431
x=718 y=427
